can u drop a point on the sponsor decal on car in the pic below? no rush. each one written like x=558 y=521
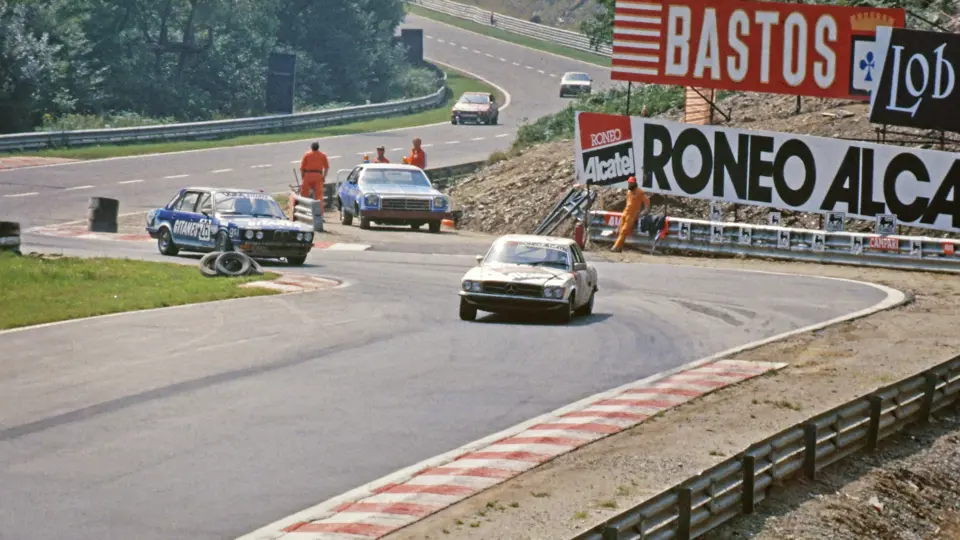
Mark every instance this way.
x=193 y=229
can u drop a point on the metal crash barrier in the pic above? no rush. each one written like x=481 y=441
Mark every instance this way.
x=773 y=242
x=308 y=211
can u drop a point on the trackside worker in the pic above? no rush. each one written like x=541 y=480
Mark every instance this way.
x=381 y=158
x=417 y=156
x=636 y=199
x=313 y=168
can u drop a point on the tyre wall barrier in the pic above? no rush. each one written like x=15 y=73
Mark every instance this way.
x=102 y=214
x=735 y=486
x=308 y=211
x=774 y=242
x=10 y=236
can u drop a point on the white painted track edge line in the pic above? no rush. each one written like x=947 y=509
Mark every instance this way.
x=608 y=68
x=324 y=509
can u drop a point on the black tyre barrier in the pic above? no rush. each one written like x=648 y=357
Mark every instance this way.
x=229 y=263
x=102 y=214
x=10 y=236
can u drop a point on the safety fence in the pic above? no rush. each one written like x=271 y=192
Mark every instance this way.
x=558 y=36
x=221 y=128
x=735 y=486
x=774 y=242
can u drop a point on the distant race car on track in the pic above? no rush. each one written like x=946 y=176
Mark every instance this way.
x=476 y=107
x=388 y=194
x=526 y=273
x=223 y=219
x=575 y=83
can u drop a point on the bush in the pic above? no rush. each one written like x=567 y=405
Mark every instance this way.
x=71 y=122
x=416 y=82
x=658 y=99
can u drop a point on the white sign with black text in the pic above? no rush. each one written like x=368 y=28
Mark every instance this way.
x=778 y=170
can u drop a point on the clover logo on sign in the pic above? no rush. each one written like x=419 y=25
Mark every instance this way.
x=867 y=64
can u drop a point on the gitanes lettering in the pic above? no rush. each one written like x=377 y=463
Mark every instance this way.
x=616 y=168
x=606 y=137
x=193 y=229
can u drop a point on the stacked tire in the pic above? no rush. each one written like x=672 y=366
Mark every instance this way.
x=10 y=237
x=102 y=214
x=229 y=263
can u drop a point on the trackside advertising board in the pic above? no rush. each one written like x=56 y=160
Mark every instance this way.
x=773 y=47
x=777 y=170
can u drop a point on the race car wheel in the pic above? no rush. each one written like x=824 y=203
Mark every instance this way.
x=165 y=243
x=345 y=218
x=416 y=226
x=566 y=315
x=467 y=312
x=296 y=261
x=223 y=242
x=588 y=308
x=435 y=226
x=364 y=222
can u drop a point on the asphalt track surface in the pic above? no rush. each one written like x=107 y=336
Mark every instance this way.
x=49 y=194
x=209 y=421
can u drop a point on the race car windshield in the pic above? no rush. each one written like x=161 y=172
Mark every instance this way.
x=242 y=204
x=393 y=177
x=476 y=100
x=532 y=254
x=578 y=77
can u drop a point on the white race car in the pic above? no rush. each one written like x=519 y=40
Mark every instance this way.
x=527 y=273
x=575 y=83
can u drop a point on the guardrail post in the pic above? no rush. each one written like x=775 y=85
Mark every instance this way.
x=929 y=392
x=810 y=450
x=749 y=482
x=684 y=510
x=873 y=429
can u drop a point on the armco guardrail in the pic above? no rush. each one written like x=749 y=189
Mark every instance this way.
x=573 y=40
x=772 y=242
x=307 y=211
x=218 y=128
x=737 y=485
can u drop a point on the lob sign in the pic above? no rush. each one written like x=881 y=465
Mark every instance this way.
x=778 y=48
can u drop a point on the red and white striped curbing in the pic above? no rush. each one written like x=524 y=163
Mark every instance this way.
x=68 y=232
x=396 y=505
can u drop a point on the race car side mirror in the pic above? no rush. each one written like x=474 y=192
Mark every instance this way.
x=579 y=266
x=479 y=259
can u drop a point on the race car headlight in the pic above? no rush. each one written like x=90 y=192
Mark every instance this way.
x=248 y=235
x=300 y=237
x=553 y=292
x=471 y=286
x=308 y=237
x=371 y=200
x=467 y=285
x=439 y=202
x=259 y=235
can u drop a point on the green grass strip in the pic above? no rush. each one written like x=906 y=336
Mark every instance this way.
x=39 y=290
x=456 y=81
x=538 y=44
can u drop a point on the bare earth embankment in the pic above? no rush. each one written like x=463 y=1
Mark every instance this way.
x=914 y=480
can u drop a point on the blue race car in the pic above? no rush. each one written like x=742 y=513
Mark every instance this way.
x=388 y=194
x=213 y=219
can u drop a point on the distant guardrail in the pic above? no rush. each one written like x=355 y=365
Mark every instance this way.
x=786 y=243
x=219 y=128
x=735 y=486
x=543 y=32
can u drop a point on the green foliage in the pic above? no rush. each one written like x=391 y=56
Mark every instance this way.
x=66 y=62
x=657 y=99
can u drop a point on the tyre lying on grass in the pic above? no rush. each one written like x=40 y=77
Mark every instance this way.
x=229 y=263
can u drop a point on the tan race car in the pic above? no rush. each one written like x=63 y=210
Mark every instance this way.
x=477 y=108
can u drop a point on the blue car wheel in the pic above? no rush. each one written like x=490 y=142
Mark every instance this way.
x=165 y=243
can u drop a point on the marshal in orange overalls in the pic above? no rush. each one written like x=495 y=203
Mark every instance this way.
x=636 y=199
x=418 y=157
x=313 y=169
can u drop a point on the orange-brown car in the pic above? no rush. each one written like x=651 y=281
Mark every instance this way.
x=475 y=107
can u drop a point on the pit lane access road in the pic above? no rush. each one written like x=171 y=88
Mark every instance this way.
x=209 y=421
x=52 y=194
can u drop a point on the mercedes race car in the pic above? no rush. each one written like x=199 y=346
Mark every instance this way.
x=526 y=273
x=575 y=83
x=214 y=219
x=476 y=107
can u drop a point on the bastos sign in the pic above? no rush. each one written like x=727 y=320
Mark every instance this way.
x=918 y=82
x=776 y=170
x=778 y=48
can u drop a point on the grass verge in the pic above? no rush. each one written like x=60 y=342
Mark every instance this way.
x=457 y=82
x=538 y=44
x=43 y=289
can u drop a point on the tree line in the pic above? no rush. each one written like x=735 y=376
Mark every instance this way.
x=151 y=61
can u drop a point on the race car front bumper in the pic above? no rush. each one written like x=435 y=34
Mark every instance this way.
x=500 y=303
x=270 y=251
x=407 y=215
